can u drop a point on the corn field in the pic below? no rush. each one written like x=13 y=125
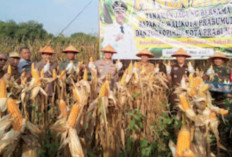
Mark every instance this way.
x=86 y=117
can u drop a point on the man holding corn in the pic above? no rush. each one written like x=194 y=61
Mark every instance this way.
x=105 y=67
x=144 y=64
x=2 y=64
x=46 y=65
x=219 y=73
x=176 y=72
x=70 y=63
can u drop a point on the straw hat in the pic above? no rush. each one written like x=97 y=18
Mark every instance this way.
x=109 y=49
x=219 y=55
x=46 y=49
x=70 y=48
x=14 y=55
x=181 y=52
x=145 y=52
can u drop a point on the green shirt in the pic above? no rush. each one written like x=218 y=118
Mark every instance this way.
x=64 y=64
x=221 y=74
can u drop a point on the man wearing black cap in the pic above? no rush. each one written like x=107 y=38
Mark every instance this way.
x=120 y=35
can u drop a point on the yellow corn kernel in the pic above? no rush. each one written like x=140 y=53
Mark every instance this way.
x=3 y=91
x=104 y=91
x=188 y=153
x=72 y=118
x=184 y=102
x=63 y=108
x=85 y=76
x=54 y=74
x=91 y=59
x=9 y=70
x=76 y=96
x=183 y=141
x=13 y=109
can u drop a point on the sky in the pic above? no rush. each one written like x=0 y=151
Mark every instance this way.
x=53 y=14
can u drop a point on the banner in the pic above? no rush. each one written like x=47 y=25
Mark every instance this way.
x=199 y=26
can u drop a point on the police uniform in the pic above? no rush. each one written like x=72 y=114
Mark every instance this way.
x=106 y=68
x=125 y=47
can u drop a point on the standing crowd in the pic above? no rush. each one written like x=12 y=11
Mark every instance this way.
x=20 y=67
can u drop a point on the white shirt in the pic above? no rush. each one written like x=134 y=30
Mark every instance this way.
x=125 y=47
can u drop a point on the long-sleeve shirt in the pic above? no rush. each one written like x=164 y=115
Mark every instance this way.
x=24 y=64
x=40 y=65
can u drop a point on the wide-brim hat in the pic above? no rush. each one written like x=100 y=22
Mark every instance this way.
x=14 y=55
x=108 y=49
x=219 y=55
x=119 y=6
x=145 y=52
x=70 y=48
x=181 y=52
x=47 y=49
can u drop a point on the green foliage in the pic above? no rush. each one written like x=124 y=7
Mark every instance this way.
x=138 y=145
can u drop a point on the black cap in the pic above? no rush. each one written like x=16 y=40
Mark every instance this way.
x=119 y=5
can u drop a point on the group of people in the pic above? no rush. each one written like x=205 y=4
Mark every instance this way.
x=21 y=63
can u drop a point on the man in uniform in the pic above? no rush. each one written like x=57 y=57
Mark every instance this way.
x=176 y=72
x=105 y=67
x=13 y=61
x=120 y=35
x=70 y=62
x=220 y=73
x=47 y=65
x=148 y=67
x=2 y=64
x=25 y=62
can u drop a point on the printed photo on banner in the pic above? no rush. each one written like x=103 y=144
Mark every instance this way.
x=164 y=25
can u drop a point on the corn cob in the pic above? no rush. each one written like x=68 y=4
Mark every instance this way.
x=123 y=79
x=54 y=74
x=104 y=90
x=183 y=141
x=223 y=112
x=85 y=77
x=35 y=75
x=118 y=61
x=204 y=89
x=184 y=102
x=15 y=115
x=135 y=65
x=130 y=68
x=91 y=59
x=63 y=109
x=197 y=81
x=72 y=118
x=62 y=73
x=76 y=96
x=3 y=91
x=9 y=70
